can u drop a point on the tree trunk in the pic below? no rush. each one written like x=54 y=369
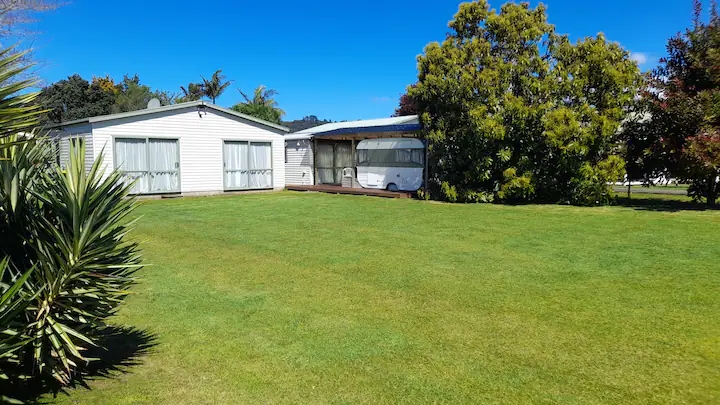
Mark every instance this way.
x=712 y=190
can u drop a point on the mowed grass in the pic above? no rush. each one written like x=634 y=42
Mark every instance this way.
x=293 y=298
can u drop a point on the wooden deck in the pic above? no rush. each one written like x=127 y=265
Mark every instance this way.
x=350 y=190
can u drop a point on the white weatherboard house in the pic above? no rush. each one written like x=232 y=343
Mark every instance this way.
x=190 y=148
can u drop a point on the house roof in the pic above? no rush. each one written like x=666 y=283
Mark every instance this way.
x=173 y=107
x=393 y=124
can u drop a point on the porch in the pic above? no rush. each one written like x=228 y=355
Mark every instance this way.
x=331 y=189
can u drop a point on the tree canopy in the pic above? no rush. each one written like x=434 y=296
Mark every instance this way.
x=75 y=97
x=676 y=130
x=131 y=95
x=191 y=92
x=261 y=105
x=406 y=106
x=215 y=86
x=516 y=112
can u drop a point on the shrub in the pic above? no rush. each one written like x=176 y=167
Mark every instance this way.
x=472 y=196
x=70 y=226
x=592 y=186
x=516 y=189
x=449 y=192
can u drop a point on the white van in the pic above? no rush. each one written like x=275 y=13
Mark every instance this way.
x=391 y=163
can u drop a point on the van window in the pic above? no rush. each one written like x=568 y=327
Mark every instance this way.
x=391 y=157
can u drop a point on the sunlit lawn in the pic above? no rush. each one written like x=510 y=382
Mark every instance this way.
x=321 y=299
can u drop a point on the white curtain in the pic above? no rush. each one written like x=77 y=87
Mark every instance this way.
x=418 y=156
x=261 y=165
x=236 y=164
x=131 y=158
x=163 y=165
x=403 y=155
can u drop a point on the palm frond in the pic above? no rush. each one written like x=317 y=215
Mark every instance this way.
x=18 y=112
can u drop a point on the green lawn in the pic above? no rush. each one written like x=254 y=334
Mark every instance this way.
x=293 y=298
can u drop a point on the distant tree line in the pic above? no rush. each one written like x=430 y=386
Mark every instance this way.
x=76 y=97
x=306 y=122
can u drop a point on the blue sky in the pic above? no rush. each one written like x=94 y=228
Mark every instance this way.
x=341 y=60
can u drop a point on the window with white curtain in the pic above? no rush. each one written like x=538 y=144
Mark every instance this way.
x=152 y=164
x=247 y=165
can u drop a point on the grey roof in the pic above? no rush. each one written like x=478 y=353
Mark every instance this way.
x=173 y=107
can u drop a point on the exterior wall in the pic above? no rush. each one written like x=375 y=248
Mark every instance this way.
x=64 y=136
x=200 y=136
x=299 y=168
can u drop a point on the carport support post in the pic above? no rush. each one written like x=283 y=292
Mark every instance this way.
x=315 y=170
x=352 y=149
x=425 y=180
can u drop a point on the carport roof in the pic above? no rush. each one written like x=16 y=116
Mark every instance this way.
x=408 y=123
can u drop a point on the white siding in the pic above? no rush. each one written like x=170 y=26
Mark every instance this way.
x=299 y=162
x=201 y=139
x=74 y=131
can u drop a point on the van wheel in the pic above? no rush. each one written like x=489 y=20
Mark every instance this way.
x=392 y=187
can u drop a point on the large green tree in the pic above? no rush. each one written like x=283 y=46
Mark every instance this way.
x=261 y=105
x=74 y=98
x=677 y=130
x=516 y=112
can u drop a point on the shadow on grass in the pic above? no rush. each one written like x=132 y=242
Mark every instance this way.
x=661 y=204
x=120 y=348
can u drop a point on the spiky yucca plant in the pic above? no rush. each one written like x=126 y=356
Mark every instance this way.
x=18 y=113
x=70 y=225
x=13 y=303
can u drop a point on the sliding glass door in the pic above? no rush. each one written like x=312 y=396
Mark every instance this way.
x=153 y=164
x=247 y=165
